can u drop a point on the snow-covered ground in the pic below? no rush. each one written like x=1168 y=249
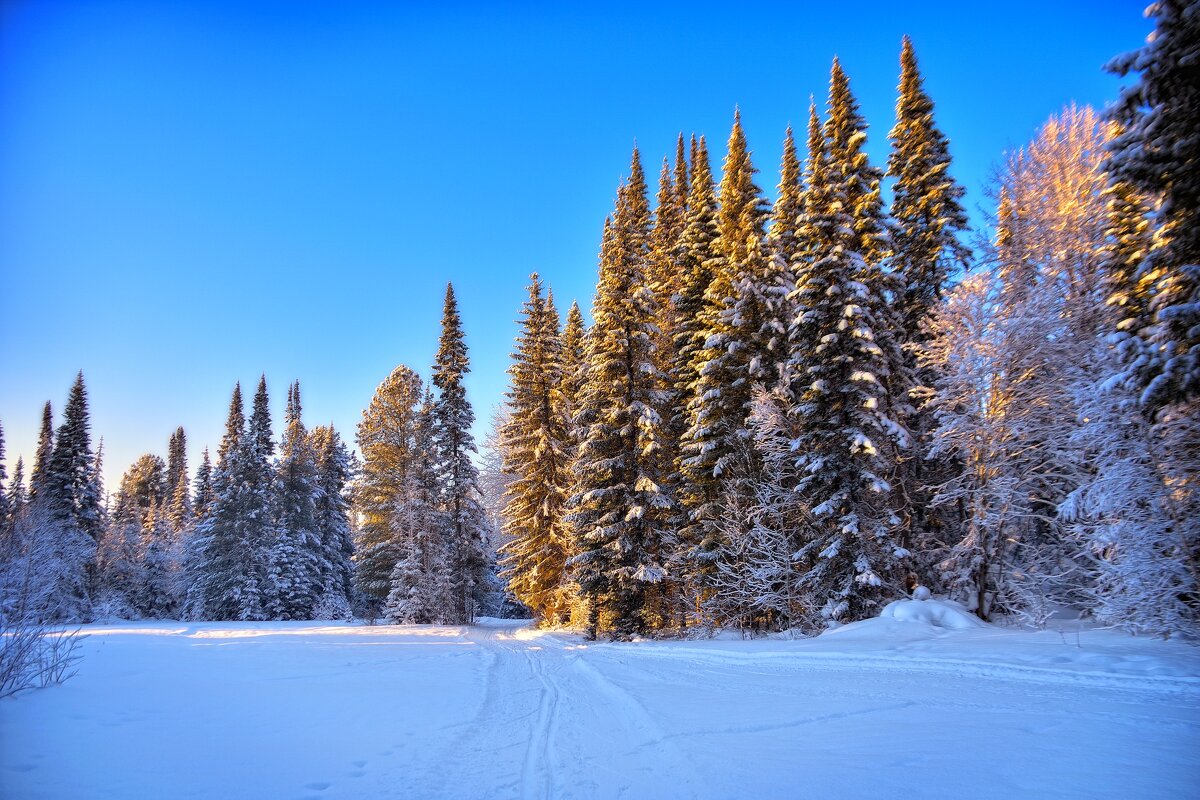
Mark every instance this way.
x=903 y=706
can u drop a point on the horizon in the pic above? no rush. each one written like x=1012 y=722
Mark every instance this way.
x=193 y=186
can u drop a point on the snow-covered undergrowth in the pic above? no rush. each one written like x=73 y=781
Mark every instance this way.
x=920 y=702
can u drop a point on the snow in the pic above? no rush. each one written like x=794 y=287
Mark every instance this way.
x=915 y=703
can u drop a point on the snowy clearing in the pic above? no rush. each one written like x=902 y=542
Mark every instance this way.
x=902 y=704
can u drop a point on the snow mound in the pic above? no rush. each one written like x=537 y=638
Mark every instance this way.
x=937 y=613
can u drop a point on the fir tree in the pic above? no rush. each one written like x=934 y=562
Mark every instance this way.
x=1157 y=153
x=785 y=214
x=619 y=509
x=458 y=476
x=535 y=450
x=5 y=503
x=16 y=501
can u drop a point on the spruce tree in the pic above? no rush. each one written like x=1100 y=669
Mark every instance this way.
x=844 y=436
x=73 y=480
x=179 y=502
x=335 y=470
x=740 y=347
x=16 y=501
x=5 y=502
x=204 y=488
x=785 y=214
x=1157 y=153
x=458 y=476
x=535 y=450
x=41 y=457
x=927 y=219
x=296 y=558
x=620 y=507
x=386 y=438
x=421 y=581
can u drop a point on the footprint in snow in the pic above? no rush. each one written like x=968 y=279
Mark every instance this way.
x=319 y=786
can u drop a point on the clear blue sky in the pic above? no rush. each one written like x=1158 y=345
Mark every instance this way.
x=192 y=193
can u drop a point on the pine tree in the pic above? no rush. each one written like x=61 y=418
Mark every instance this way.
x=1157 y=153
x=296 y=559
x=534 y=445
x=619 y=507
x=785 y=214
x=458 y=476
x=16 y=501
x=386 y=438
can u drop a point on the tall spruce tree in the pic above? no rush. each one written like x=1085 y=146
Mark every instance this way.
x=620 y=507
x=178 y=509
x=296 y=557
x=45 y=450
x=204 y=488
x=735 y=318
x=536 y=455
x=927 y=219
x=844 y=435
x=335 y=470
x=458 y=476
x=387 y=436
x=1157 y=153
x=421 y=582
x=5 y=503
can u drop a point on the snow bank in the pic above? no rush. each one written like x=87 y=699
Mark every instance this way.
x=938 y=613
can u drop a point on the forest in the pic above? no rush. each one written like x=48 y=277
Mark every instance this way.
x=784 y=414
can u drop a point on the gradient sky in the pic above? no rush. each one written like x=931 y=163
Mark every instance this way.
x=193 y=193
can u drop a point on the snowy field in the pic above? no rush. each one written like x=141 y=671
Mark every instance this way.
x=887 y=708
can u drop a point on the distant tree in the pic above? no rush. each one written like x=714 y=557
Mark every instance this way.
x=297 y=561
x=335 y=470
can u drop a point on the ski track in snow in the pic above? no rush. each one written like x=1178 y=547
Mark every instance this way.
x=326 y=711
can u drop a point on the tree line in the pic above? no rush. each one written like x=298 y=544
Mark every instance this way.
x=788 y=414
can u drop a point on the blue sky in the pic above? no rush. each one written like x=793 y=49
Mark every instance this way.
x=193 y=193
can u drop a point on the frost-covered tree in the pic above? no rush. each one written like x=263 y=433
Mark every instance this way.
x=619 y=509
x=458 y=477
x=72 y=482
x=844 y=434
x=331 y=512
x=45 y=450
x=236 y=535
x=421 y=589
x=1157 y=153
x=178 y=498
x=296 y=558
x=536 y=456
x=204 y=490
x=386 y=438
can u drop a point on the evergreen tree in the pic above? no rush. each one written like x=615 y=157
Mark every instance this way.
x=1157 y=153
x=927 y=219
x=619 y=508
x=240 y=526
x=331 y=511
x=421 y=582
x=742 y=345
x=785 y=214
x=387 y=437
x=16 y=501
x=843 y=435
x=297 y=559
x=535 y=449
x=458 y=476
x=204 y=489
x=179 y=501
x=45 y=449
x=5 y=504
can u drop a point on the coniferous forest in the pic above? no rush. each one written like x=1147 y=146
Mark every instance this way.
x=783 y=415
